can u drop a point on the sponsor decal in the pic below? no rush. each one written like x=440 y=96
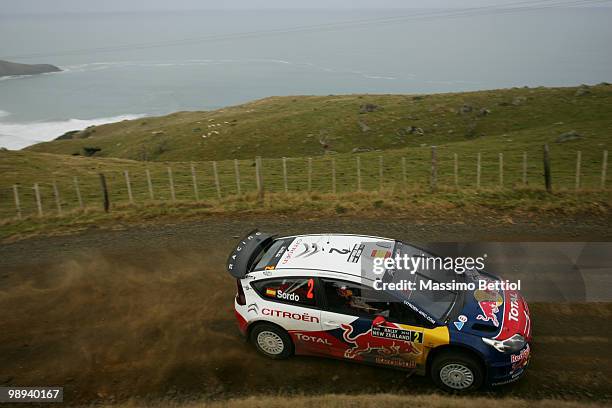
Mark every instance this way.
x=239 y=248
x=527 y=329
x=304 y=317
x=513 y=314
x=355 y=254
x=386 y=332
x=489 y=302
x=280 y=252
x=312 y=339
x=378 y=340
x=516 y=317
x=420 y=312
x=396 y=362
x=253 y=308
x=380 y=253
x=291 y=251
x=521 y=359
x=309 y=250
x=461 y=319
x=508 y=381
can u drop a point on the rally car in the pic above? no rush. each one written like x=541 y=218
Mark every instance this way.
x=315 y=295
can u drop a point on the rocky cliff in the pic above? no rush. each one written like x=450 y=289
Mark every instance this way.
x=13 y=68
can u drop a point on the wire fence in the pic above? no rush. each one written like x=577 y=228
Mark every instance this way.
x=336 y=174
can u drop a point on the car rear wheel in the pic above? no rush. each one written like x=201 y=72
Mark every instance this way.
x=272 y=341
x=454 y=371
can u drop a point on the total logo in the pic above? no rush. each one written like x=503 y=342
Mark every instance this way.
x=312 y=339
x=513 y=314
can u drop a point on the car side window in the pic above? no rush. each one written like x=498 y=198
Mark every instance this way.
x=299 y=291
x=354 y=299
x=400 y=313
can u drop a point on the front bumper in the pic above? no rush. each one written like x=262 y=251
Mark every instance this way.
x=508 y=371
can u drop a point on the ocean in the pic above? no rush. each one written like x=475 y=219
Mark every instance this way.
x=120 y=66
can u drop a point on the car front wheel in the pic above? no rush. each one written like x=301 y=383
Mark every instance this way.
x=272 y=341
x=454 y=371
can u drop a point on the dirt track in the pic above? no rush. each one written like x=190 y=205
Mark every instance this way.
x=148 y=312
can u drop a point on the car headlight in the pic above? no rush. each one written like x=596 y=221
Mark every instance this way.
x=511 y=345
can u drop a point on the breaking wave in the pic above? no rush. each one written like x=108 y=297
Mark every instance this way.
x=19 y=135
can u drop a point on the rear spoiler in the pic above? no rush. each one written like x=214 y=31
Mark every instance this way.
x=241 y=258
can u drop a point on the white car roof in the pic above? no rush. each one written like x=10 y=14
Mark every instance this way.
x=344 y=254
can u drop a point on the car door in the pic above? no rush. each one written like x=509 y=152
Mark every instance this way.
x=293 y=304
x=364 y=326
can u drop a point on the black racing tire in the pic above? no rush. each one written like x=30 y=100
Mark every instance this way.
x=457 y=372
x=271 y=341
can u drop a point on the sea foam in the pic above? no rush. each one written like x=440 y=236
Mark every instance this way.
x=19 y=135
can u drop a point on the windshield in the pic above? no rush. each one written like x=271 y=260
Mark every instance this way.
x=423 y=272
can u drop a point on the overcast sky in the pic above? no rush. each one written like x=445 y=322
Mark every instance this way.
x=63 y=6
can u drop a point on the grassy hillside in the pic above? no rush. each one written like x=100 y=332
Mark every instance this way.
x=25 y=168
x=297 y=126
x=401 y=131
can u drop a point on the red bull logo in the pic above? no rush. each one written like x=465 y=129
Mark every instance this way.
x=489 y=302
x=384 y=338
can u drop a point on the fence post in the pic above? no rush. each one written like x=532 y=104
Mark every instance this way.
x=404 y=179
x=478 y=170
x=150 y=184
x=547 y=176
x=333 y=168
x=285 y=174
x=38 y=202
x=358 y=173
x=216 y=174
x=194 y=179
x=524 y=168
x=78 y=192
x=17 y=203
x=171 y=180
x=434 y=170
x=309 y=174
x=129 y=186
x=604 y=169
x=578 y=163
x=237 y=171
x=456 y=169
x=259 y=177
x=501 y=170
x=104 y=187
x=58 y=203
x=380 y=173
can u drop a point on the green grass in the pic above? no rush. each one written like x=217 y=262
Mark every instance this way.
x=26 y=168
x=295 y=126
x=444 y=206
x=520 y=122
